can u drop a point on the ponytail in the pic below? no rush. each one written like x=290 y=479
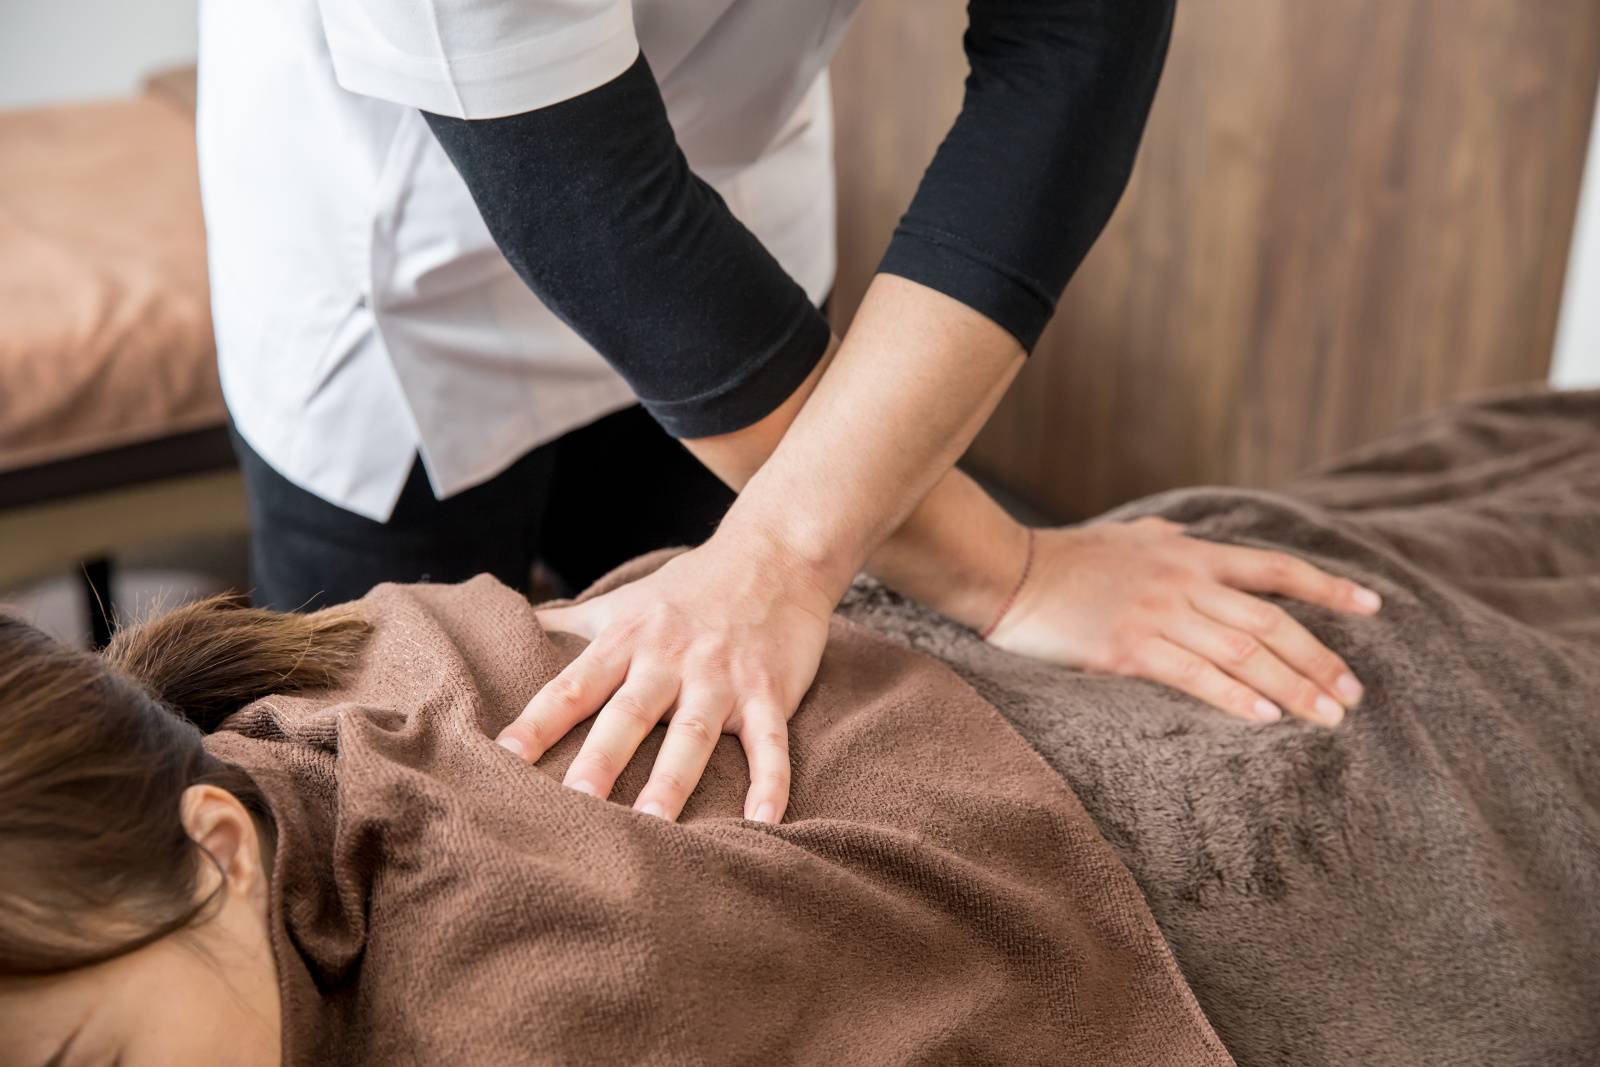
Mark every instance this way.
x=208 y=659
x=96 y=752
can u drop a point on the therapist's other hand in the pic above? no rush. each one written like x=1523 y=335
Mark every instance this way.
x=724 y=638
x=1142 y=599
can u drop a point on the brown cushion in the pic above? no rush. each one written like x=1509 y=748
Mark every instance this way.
x=105 y=323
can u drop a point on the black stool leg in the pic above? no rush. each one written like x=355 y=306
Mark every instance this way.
x=97 y=600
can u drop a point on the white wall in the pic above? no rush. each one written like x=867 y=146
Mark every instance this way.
x=74 y=49
x=1577 y=357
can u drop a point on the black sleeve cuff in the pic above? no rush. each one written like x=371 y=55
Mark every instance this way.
x=756 y=390
x=951 y=265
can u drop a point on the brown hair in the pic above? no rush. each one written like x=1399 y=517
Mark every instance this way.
x=96 y=751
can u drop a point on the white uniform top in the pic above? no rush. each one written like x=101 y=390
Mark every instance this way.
x=363 y=313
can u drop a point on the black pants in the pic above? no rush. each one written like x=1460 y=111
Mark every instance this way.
x=582 y=504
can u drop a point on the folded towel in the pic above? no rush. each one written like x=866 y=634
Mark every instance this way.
x=1421 y=885
x=935 y=895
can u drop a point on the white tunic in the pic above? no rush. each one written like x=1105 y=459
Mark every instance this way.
x=363 y=313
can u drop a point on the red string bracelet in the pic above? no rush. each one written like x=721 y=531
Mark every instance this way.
x=1027 y=568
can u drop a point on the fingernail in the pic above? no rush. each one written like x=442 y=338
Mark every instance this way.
x=764 y=812
x=1267 y=711
x=582 y=786
x=512 y=745
x=1329 y=711
x=1348 y=688
x=1367 y=600
x=652 y=808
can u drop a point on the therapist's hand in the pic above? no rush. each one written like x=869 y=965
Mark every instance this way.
x=724 y=638
x=1142 y=599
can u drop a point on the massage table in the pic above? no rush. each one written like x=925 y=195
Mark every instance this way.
x=112 y=427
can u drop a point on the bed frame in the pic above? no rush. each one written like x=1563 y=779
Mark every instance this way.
x=81 y=512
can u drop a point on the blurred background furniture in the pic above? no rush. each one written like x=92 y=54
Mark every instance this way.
x=112 y=428
x=1343 y=213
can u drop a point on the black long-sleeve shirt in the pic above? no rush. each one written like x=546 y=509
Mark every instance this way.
x=596 y=208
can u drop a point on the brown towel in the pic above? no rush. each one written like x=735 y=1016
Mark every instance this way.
x=935 y=894
x=1421 y=886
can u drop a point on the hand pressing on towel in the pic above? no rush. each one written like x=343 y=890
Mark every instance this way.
x=1142 y=599
x=726 y=638
x=716 y=641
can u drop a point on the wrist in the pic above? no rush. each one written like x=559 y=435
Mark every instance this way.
x=980 y=595
x=807 y=568
x=960 y=554
x=1008 y=602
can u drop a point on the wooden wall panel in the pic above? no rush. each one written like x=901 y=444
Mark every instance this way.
x=1343 y=213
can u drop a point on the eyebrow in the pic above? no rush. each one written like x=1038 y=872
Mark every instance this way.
x=66 y=1046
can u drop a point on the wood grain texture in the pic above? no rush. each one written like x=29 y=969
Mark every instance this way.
x=1343 y=213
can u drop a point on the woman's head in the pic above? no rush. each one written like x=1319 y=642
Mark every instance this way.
x=133 y=864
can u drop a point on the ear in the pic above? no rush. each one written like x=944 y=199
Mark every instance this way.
x=216 y=822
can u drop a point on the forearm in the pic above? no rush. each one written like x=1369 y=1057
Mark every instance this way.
x=958 y=552
x=1054 y=108
x=861 y=456
x=719 y=368
x=590 y=196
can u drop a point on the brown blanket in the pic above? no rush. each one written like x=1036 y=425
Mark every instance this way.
x=935 y=895
x=1421 y=886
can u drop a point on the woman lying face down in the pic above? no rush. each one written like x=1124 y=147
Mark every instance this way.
x=936 y=891
x=364 y=876
x=134 y=899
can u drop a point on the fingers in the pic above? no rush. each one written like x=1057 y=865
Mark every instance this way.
x=1159 y=660
x=630 y=714
x=1290 y=642
x=566 y=700
x=1261 y=571
x=570 y=619
x=691 y=738
x=764 y=733
x=1247 y=659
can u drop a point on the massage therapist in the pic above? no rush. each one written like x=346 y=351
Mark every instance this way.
x=476 y=264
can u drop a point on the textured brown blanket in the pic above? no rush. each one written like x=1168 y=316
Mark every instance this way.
x=1421 y=886
x=935 y=895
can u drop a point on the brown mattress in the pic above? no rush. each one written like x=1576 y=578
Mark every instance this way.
x=105 y=323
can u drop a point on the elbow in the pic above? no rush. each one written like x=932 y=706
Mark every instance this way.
x=1134 y=36
x=1117 y=79
x=1143 y=25
x=1107 y=51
